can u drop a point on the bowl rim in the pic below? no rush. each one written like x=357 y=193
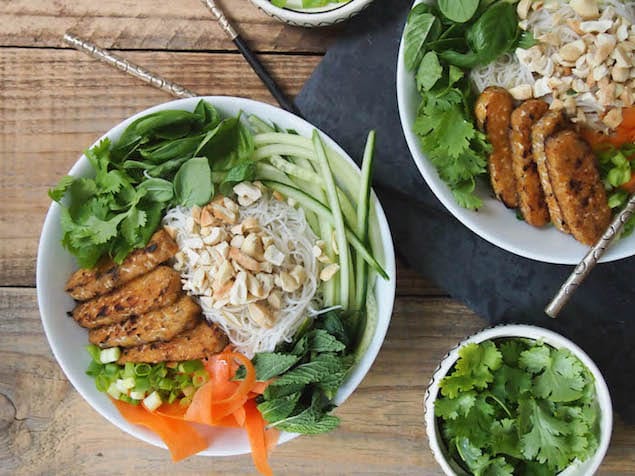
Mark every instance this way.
x=266 y=111
x=536 y=333
x=466 y=217
x=317 y=17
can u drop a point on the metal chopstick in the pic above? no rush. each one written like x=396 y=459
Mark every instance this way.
x=583 y=269
x=127 y=67
x=252 y=59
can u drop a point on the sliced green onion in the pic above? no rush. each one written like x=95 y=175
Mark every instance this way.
x=128 y=369
x=190 y=366
x=200 y=377
x=185 y=402
x=166 y=384
x=94 y=352
x=142 y=370
x=102 y=383
x=142 y=384
x=94 y=369
x=188 y=391
x=112 y=370
x=137 y=395
x=152 y=401
x=107 y=356
x=113 y=391
x=123 y=385
x=173 y=396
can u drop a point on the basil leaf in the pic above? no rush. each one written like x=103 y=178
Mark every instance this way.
x=157 y=190
x=242 y=172
x=422 y=25
x=171 y=149
x=459 y=11
x=193 y=183
x=429 y=72
x=494 y=33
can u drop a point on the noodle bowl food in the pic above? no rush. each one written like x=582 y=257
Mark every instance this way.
x=220 y=257
x=525 y=105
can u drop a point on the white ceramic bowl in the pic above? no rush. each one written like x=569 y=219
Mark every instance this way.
x=493 y=221
x=577 y=468
x=68 y=340
x=314 y=17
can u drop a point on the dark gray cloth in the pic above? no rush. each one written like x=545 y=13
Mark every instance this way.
x=352 y=91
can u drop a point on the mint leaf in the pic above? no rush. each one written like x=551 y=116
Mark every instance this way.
x=280 y=408
x=309 y=422
x=320 y=340
x=314 y=371
x=272 y=364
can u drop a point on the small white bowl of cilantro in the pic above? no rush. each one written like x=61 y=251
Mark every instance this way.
x=312 y=13
x=518 y=399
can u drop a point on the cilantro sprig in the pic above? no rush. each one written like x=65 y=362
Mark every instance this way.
x=517 y=406
x=443 y=41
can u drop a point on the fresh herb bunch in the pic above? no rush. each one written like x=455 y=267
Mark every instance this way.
x=306 y=376
x=518 y=407
x=616 y=170
x=132 y=382
x=163 y=159
x=442 y=43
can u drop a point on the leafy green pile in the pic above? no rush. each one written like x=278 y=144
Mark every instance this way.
x=518 y=407
x=306 y=376
x=442 y=43
x=616 y=170
x=163 y=159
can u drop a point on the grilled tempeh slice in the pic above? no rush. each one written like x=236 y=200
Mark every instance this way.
x=493 y=111
x=86 y=284
x=160 y=287
x=577 y=186
x=551 y=123
x=531 y=198
x=203 y=341
x=158 y=325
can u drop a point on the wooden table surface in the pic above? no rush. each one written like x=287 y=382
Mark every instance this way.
x=54 y=102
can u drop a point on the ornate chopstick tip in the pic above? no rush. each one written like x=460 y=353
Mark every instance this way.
x=128 y=67
x=221 y=18
x=592 y=258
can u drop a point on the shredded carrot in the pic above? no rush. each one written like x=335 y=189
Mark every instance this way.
x=624 y=134
x=220 y=402
x=179 y=436
x=255 y=426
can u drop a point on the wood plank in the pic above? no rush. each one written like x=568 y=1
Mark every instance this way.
x=147 y=24
x=46 y=427
x=55 y=103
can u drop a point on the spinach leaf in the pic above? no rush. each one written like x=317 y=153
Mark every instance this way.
x=494 y=33
x=157 y=190
x=244 y=171
x=193 y=183
x=422 y=26
x=429 y=72
x=458 y=11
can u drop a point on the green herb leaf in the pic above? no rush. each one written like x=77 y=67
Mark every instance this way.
x=314 y=371
x=157 y=190
x=280 y=408
x=320 y=340
x=429 y=72
x=193 y=183
x=309 y=422
x=422 y=25
x=459 y=11
x=272 y=364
